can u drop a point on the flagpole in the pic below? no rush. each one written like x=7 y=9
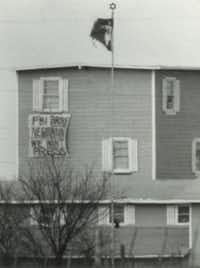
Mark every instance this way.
x=112 y=6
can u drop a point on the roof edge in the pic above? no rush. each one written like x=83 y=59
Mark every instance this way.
x=81 y=65
x=122 y=201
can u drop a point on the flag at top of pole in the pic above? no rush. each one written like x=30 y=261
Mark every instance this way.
x=102 y=30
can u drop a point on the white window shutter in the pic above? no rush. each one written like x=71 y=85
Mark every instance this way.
x=177 y=95
x=129 y=214
x=64 y=96
x=107 y=155
x=164 y=94
x=37 y=95
x=171 y=214
x=103 y=215
x=30 y=149
x=133 y=157
x=61 y=95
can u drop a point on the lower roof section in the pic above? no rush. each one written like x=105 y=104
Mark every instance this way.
x=147 y=242
x=137 y=191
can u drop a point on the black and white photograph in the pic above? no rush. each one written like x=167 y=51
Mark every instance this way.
x=99 y=133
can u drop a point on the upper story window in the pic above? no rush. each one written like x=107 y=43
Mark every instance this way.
x=171 y=95
x=119 y=155
x=178 y=214
x=196 y=156
x=123 y=214
x=50 y=94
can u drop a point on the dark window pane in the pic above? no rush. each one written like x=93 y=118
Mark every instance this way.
x=170 y=102
x=183 y=209
x=183 y=214
x=118 y=213
x=183 y=218
x=197 y=156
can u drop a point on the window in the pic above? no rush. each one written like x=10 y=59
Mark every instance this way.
x=183 y=214
x=171 y=95
x=119 y=155
x=50 y=94
x=178 y=214
x=123 y=214
x=118 y=213
x=196 y=156
x=48 y=215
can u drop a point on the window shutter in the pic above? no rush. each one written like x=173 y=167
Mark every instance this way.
x=64 y=96
x=133 y=150
x=30 y=149
x=171 y=214
x=177 y=95
x=164 y=94
x=107 y=155
x=37 y=95
x=103 y=215
x=129 y=214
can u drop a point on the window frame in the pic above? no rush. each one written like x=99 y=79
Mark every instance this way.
x=130 y=158
x=176 y=94
x=194 y=170
x=114 y=216
x=177 y=216
x=105 y=221
x=175 y=220
x=60 y=96
x=33 y=218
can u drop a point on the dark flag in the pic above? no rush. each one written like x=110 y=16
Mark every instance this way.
x=102 y=32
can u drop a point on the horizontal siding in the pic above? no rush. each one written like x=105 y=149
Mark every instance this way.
x=175 y=133
x=150 y=215
x=92 y=118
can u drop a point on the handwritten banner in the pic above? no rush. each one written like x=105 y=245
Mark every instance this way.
x=47 y=134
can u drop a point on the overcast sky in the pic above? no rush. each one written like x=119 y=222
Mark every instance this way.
x=56 y=32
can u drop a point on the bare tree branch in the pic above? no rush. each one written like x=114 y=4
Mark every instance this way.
x=68 y=202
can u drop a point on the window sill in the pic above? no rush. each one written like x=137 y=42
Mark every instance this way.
x=170 y=112
x=120 y=225
x=50 y=112
x=122 y=171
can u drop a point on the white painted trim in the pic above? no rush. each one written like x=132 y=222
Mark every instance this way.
x=17 y=129
x=108 y=201
x=87 y=64
x=153 y=95
x=130 y=156
x=148 y=256
x=80 y=65
x=190 y=229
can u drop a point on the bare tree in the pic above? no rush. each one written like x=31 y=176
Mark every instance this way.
x=11 y=221
x=64 y=203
